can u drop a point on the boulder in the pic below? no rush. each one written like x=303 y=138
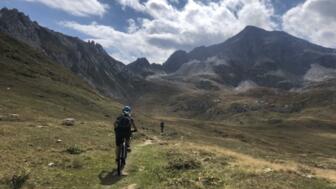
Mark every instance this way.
x=51 y=164
x=2 y=118
x=69 y=122
x=13 y=117
x=267 y=170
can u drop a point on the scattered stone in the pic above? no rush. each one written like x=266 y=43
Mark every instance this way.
x=268 y=170
x=309 y=176
x=8 y=88
x=210 y=181
x=217 y=101
x=132 y=186
x=206 y=159
x=75 y=150
x=40 y=126
x=141 y=168
x=58 y=141
x=14 y=117
x=51 y=164
x=69 y=122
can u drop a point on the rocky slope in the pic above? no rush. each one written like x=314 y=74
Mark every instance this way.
x=86 y=59
x=268 y=58
x=143 y=68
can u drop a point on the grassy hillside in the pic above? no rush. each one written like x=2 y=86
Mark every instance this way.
x=216 y=140
x=41 y=94
x=33 y=86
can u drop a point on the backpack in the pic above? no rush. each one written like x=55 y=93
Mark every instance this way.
x=123 y=124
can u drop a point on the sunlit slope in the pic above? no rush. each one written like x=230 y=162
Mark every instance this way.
x=35 y=96
x=33 y=86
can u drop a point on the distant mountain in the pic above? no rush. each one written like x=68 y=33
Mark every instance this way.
x=267 y=58
x=142 y=67
x=175 y=61
x=86 y=59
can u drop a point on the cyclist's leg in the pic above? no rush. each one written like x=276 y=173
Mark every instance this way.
x=119 y=141
x=128 y=142
x=117 y=152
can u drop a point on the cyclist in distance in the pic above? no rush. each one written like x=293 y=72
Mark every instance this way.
x=123 y=129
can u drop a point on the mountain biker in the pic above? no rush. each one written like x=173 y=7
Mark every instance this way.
x=123 y=129
x=162 y=124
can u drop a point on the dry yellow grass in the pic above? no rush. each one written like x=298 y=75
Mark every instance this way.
x=260 y=164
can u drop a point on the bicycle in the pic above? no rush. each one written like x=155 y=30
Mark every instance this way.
x=122 y=156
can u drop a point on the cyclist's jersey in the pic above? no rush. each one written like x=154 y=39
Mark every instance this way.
x=123 y=125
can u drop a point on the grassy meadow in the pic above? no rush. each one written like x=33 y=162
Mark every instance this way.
x=238 y=143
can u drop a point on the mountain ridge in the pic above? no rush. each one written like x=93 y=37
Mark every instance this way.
x=87 y=59
x=142 y=67
x=268 y=58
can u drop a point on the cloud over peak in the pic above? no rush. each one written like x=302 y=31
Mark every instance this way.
x=169 y=28
x=314 y=20
x=76 y=7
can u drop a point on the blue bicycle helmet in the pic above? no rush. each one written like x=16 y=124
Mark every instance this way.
x=127 y=110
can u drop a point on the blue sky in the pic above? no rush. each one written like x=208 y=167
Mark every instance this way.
x=155 y=28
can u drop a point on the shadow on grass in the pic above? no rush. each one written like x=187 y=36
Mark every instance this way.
x=110 y=177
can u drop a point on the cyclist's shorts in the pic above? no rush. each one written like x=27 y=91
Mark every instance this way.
x=120 y=136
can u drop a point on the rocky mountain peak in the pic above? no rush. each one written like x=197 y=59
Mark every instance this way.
x=142 y=67
x=19 y=26
x=142 y=61
x=268 y=58
x=175 y=61
x=252 y=30
x=88 y=60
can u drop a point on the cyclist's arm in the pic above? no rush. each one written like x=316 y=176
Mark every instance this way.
x=115 y=124
x=134 y=126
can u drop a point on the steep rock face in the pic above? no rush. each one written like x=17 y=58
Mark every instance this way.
x=271 y=59
x=19 y=26
x=86 y=59
x=143 y=68
x=175 y=61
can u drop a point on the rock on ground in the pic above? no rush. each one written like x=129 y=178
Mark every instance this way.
x=69 y=122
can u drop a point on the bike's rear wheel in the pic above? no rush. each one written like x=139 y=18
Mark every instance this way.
x=122 y=158
x=119 y=167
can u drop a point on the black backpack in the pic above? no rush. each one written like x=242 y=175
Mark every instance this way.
x=123 y=124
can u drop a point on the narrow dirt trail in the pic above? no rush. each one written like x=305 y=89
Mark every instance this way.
x=137 y=147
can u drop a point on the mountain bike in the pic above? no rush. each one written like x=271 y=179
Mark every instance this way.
x=122 y=156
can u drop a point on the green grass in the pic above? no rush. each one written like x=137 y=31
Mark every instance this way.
x=43 y=93
x=173 y=166
x=212 y=147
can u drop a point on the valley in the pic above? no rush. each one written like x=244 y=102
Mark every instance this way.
x=230 y=122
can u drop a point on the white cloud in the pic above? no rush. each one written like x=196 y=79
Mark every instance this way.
x=169 y=28
x=134 y=4
x=76 y=7
x=124 y=46
x=314 y=20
